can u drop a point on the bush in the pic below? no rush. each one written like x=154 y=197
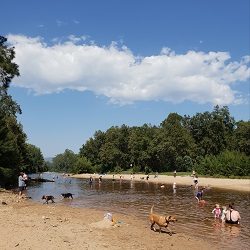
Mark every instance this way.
x=82 y=166
x=117 y=170
x=8 y=177
x=228 y=163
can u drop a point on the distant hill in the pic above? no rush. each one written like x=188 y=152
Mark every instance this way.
x=49 y=159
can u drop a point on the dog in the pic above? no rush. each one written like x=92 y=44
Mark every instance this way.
x=67 y=195
x=161 y=221
x=48 y=198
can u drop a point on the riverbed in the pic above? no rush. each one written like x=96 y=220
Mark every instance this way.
x=136 y=198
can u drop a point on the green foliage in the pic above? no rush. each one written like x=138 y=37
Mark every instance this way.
x=211 y=131
x=35 y=160
x=184 y=164
x=82 y=165
x=8 y=175
x=178 y=143
x=227 y=163
x=117 y=170
x=15 y=154
x=242 y=137
x=65 y=162
x=9 y=69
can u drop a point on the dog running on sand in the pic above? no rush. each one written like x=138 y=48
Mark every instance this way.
x=48 y=198
x=161 y=221
x=67 y=195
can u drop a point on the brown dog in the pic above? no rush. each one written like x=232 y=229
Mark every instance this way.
x=161 y=221
x=48 y=198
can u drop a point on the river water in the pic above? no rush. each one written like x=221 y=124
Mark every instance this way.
x=137 y=197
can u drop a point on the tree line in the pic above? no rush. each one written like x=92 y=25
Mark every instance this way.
x=212 y=143
x=15 y=153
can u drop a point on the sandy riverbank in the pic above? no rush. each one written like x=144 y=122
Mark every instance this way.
x=29 y=225
x=230 y=184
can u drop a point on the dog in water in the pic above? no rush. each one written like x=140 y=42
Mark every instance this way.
x=67 y=195
x=48 y=198
x=161 y=221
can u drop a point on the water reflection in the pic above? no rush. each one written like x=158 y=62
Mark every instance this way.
x=133 y=197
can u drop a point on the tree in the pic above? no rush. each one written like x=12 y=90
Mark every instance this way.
x=65 y=162
x=139 y=146
x=82 y=165
x=212 y=132
x=12 y=137
x=8 y=70
x=92 y=147
x=242 y=137
x=174 y=142
x=35 y=160
x=114 y=151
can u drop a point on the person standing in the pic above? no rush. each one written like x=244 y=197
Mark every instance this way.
x=175 y=173
x=26 y=178
x=21 y=184
x=195 y=182
x=216 y=211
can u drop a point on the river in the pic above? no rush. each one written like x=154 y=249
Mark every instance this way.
x=137 y=197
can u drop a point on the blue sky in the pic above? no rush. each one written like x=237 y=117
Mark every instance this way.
x=89 y=65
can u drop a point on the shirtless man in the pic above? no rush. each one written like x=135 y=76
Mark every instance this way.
x=232 y=216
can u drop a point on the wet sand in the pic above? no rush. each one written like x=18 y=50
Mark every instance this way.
x=229 y=184
x=30 y=225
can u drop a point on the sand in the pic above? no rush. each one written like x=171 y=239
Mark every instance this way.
x=30 y=225
x=242 y=185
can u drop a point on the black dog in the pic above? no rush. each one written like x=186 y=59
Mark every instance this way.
x=48 y=198
x=67 y=195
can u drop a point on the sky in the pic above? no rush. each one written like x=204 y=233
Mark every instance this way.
x=87 y=65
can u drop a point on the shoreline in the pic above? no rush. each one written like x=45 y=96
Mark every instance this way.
x=32 y=225
x=222 y=183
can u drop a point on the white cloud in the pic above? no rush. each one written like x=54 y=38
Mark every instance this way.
x=60 y=23
x=123 y=77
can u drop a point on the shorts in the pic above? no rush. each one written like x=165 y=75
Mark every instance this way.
x=21 y=188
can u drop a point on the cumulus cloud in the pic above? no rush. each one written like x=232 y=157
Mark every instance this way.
x=123 y=77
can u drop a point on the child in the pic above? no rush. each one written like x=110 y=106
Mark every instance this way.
x=216 y=211
x=199 y=195
x=223 y=213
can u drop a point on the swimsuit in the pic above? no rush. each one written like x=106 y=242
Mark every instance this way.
x=199 y=195
x=217 y=212
x=230 y=221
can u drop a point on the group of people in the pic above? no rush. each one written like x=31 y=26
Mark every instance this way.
x=228 y=215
